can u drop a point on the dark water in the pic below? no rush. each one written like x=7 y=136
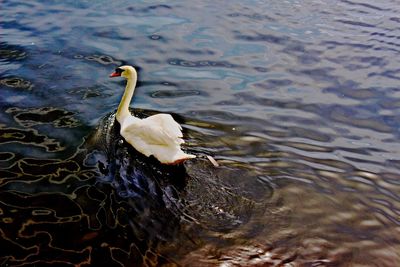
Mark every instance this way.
x=299 y=101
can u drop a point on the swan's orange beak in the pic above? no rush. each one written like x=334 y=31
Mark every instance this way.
x=115 y=74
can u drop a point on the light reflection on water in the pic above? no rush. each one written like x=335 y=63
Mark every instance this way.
x=298 y=101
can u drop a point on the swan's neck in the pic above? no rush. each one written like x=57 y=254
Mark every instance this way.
x=123 y=108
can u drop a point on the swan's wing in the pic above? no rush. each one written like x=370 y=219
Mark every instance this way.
x=167 y=123
x=150 y=133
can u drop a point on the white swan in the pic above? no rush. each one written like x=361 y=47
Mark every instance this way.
x=158 y=135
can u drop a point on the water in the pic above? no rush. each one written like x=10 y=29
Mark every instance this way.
x=297 y=100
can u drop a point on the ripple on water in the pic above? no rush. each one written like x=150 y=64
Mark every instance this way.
x=28 y=137
x=102 y=59
x=16 y=82
x=9 y=53
x=36 y=116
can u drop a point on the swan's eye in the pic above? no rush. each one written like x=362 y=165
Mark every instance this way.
x=118 y=70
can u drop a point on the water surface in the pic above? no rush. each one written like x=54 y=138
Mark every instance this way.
x=297 y=100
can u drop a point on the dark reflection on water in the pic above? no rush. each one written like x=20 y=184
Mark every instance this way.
x=297 y=101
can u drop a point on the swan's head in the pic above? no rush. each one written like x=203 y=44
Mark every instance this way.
x=124 y=71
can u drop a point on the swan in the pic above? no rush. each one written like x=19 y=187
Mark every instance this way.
x=158 y=135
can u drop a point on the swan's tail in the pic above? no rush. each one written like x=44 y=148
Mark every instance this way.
x=181 y=157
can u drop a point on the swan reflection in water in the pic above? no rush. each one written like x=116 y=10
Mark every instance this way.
x=169 y=204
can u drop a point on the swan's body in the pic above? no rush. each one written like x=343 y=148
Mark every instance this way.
x=158 y=135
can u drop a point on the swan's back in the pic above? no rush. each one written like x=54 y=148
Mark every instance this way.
x=170 y=126
x=158 y=135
